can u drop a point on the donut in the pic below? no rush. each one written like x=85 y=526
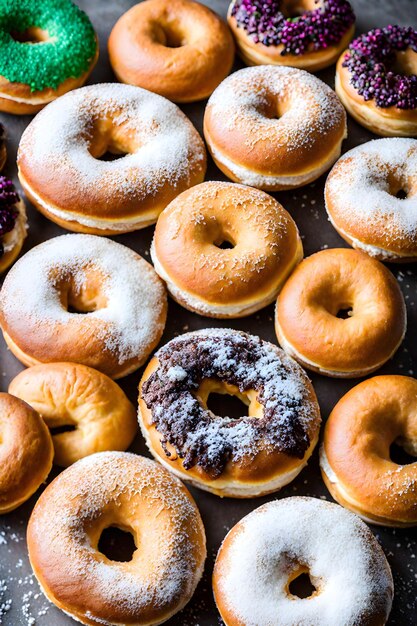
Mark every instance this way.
x=242 y=242
x=376 y=80
x=355 y=456
x=310 y=35
x=83 y=299
x=383 y=173
x=26 y=452
x=274 y=127
x=13 y=223
x=177 y=48
x=341 y=314
x=47 y=48
x=3 y=149
x=237 y=457
x=160 y=154
x=70 y=395
x=123 y=490
x=272 y=546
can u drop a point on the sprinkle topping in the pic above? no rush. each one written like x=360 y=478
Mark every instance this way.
x=8 y=211
x=312 y=30
x=371 y=60
x=67 y=51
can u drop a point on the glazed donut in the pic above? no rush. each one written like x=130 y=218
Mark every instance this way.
x=375 y=80
x=62 y=174
x=26 y=452
x=355 y=456
x=62 y=53
x=244 y=457
x=274 y=127
x=177 y=48
x=3 y=149
x=309 y=36
x=263 y=247
x=276 y=543
x=381 y=173
x=69 y=394
x=83 y=299
x=13 y=223
x=341 y=314
x=137 y=495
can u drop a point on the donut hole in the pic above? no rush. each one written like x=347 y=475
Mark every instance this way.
x=108 y=142
x=62 y=428
x=224 y=244
x=227 y=405
x=344 y=313
x=83 y=298
x=31 y=35
x=295 y=8
x=405 y=62
x=170 y=35
x=117 y=544
x=224 y=400
x=301 y=586
x=400 y=453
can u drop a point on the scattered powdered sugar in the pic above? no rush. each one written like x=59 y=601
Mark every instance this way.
x=345 y=563
x=101 y=485
x=127 y=324
x=359 y=189
x=290 y=413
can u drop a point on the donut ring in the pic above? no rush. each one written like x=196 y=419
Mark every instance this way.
x=132 y=493
x=13 y=223
x=62 y=53
x=341 y=314
x=268 y=32
x=179 y=49
x=70 y=394
x=279 y=541
x=375 y=80
x=244 y=457
x=385 y=226
x=26 y=452
x=355 y=456
x=263 y=248
x=83 y=299
x=274 y=127
x=61 y=172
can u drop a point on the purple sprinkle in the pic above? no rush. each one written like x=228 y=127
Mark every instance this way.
x=313 y=30
x=370 y=60
x=8 y=211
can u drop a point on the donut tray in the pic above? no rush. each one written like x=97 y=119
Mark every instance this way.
x=21 y=601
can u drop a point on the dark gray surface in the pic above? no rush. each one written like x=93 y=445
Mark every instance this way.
x=306 y=206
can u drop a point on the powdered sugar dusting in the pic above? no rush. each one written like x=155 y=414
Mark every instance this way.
x=345 y=564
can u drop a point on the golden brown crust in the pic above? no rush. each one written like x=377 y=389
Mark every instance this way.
x=70 y=394
x=386 y=122
x=177 y=48
x=325 y=283
x=225 y=282
x=359 y=432
x=26 y=452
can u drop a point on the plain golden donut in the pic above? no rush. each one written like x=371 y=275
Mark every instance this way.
x=375 y=81
x=246 y=457
x=177 y=48
x=138 y=496
x=161 y=155
x=306 y=34
x=341 y=314
x=13 y=223
x=355 y=456
x=383 y=173
x=83 y=299
x=272 y=546
x=242 y=243
x=26 y=452
x=73 y=395
x=274 y=127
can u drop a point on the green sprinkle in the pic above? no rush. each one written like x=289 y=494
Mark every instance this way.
x=67 y=53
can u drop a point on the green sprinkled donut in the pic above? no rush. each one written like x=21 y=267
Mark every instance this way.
x=44 y=42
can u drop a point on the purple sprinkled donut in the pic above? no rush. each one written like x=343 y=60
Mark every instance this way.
x=8 y=212
x=313 y=30
x=371 y=60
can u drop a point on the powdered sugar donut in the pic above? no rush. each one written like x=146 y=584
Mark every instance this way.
x=83 y=299
x=274 y=127
x=160 y=155
x=244 y=457
x=383 y=174
x=137 y=495
x=272 y=546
